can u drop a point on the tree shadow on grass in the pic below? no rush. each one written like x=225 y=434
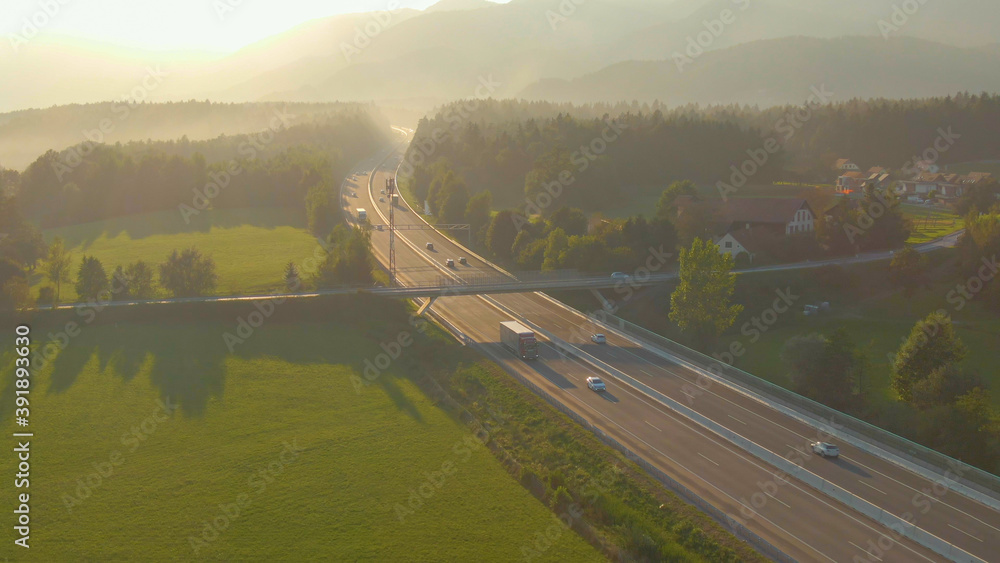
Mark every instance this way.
x=187 y=361
x=173 y=222
x=183 y=365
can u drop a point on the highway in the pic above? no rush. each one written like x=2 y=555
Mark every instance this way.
x=797 y=519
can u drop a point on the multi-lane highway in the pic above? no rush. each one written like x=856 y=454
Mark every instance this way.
x=801 y=521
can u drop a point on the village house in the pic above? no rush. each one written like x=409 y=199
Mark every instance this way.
x=944 y=185
x=851 y=181
x=845 y=165
x=746 y=225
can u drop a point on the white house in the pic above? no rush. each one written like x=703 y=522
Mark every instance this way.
x=730 y=244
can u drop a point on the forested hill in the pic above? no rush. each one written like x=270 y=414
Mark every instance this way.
x=24 y=135
x=514 y=156
x=501 y=143
x=782 y=71
x=270 y=168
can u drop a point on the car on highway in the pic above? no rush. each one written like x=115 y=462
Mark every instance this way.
x=382 y=192
x=381 y=200
x=449 y=263
x=825 y=449
x=599 y=339
x=595 y=384
x=463 y=261
x=620 y=276
x=430 y=246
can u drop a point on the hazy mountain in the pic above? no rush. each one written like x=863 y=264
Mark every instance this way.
x=782 y=71
x=440 y=54
x=458 y=5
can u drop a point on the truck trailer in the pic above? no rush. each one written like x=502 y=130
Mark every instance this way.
x=519 y=339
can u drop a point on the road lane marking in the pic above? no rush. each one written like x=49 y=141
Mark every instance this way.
x=646 y=372
x=736 y=419
x=657 y=429
x=703 y=455
x=863 y=550
x=967 y=533
x=867 y=485
x=777 y=500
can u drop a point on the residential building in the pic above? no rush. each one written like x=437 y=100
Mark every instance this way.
x=737 y=242
x=845 y=165
x=851 y=181
x=774 y=215
x=945 y=185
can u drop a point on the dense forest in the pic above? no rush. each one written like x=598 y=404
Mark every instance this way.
x=880 y=132
x=499 y=144
x=28 y=133
x=275 y=167
x=503 y=148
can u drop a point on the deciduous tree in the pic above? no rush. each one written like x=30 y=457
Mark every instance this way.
x=702 y=303
x=57 y=265
x=932 y=345
x=91 y=278
x=907 y=270
x=188 y=273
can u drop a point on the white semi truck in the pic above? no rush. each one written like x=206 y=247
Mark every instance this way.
x=519 y=339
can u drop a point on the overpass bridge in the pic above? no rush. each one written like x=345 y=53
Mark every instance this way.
x=443 y=286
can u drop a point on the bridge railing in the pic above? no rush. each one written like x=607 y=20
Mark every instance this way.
x=906 y=449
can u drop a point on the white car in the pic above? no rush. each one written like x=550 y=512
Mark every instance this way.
x=595 y=384
x=620 y=276
x=449 y=263
x=430 y=246
x=825 y=449
x=599 y=339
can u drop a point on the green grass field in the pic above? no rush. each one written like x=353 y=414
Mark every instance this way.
x=250 y=246
x=930 y=223
x=168 y=483
x=992 y=166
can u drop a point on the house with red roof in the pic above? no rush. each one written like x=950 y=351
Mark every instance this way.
x=748 y=224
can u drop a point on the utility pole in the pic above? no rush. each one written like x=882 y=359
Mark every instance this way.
x=390 y=190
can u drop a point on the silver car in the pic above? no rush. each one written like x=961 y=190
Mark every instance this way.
x=595 y=384
x=825 y=449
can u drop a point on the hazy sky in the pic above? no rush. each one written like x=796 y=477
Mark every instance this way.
x=213 y=25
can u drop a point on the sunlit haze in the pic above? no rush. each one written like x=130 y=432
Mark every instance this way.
x=186 y=25
x=535 y=281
